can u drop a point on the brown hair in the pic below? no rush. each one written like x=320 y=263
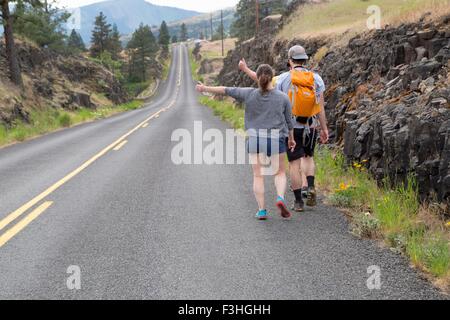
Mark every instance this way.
x=265 y=76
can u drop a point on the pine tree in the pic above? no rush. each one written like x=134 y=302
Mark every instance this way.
x=7 y=20
x=183 y=33
x=174 y=38
x=44 y=24
x=164 y=37
x=142 y=50
x=11 y=51
x=100 y=35
x=114 y=44
x=164 y=40
x=75 y=42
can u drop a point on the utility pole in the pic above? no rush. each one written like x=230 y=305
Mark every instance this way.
x=257 y=16
x=221 y=28
x=211 y=23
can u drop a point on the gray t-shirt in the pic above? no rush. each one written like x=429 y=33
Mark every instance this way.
x=270 y=111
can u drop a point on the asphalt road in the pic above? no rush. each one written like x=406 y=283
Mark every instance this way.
x=140 y=227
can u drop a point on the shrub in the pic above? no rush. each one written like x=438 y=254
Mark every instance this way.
x=366 y=225
x=19 y=133
x=64 y=120
x=3 y=135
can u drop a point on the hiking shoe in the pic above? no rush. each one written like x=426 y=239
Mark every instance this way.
x=298 y=206
x=284 y=211
x=311 y=200
x=261 y=215
x=305 y=193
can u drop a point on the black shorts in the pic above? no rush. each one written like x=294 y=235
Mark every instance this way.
x=306 y=144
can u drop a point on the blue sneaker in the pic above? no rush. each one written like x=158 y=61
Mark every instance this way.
x=261 y=215
x=284 y=211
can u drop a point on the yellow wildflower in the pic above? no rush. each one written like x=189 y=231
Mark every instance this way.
x=357 y=165
x=343 y=186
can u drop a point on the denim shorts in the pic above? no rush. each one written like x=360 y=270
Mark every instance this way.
x=267 y=146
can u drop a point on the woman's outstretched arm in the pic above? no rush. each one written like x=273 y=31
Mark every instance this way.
x=216 y=90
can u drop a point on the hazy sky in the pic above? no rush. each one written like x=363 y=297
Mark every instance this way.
x=197 y=5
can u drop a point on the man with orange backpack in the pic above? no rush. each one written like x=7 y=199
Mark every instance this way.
x=306 y=91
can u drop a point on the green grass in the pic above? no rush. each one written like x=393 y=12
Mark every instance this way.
x=195 y=66
x=64 y=120
x=3 y=135
x=166 y=68
x=132 y=105
x=135 y=88
x=391 y=214
x=45 y=121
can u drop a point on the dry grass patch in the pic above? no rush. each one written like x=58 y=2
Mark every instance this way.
x=350 y=16
x=211 y=50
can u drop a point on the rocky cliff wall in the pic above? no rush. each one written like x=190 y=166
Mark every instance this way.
x=387 y=99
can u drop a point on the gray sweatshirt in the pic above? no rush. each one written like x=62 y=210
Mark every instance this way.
x=271 y=111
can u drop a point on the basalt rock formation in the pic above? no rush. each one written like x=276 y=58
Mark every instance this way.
x=387 y=97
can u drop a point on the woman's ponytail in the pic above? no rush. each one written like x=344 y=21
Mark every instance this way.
x=265 y=76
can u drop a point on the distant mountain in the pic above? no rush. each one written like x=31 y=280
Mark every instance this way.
x=202 y=23
x=128 y=14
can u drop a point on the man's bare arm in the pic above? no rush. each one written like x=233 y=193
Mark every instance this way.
x=244 y=67
x=324 y=135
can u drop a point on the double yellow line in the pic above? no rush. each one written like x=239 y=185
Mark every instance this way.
x=5 y=237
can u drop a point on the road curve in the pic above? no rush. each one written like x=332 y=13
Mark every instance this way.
x=106 y=198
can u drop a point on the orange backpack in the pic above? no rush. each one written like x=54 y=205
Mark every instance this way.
x=303 y=94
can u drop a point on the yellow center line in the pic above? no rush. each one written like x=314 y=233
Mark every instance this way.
x=14 y=215
x=120 y=145
x=18 y=212
x=24 y=222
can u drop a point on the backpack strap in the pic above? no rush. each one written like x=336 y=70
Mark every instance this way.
x=294 y=90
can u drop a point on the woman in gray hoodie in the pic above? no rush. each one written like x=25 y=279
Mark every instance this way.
x=270 y=133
